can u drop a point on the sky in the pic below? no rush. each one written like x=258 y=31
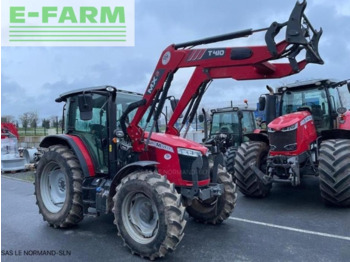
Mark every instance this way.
x=32 y=77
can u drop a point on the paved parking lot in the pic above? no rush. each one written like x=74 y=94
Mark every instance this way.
x=292 y=224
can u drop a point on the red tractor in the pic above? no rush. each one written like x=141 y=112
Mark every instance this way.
x=310 y=136
x=111 y=157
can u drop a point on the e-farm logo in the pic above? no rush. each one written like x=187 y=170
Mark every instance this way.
x=68 y=23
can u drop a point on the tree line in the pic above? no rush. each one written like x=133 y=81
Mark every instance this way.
x=32 y=120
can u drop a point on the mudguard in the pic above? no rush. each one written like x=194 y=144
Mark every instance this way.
x=123 y=172
x=258 y=137
x=78 y=147
x=335 y=134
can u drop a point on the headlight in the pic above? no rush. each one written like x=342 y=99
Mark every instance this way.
x=290 y=128
x=270 y=130
x=188 y=152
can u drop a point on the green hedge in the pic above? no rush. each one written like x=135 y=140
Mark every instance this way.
x=40 y=131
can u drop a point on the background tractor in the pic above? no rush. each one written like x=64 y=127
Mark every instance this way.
x=111 y=157
x=310 y=135
x=226 y=130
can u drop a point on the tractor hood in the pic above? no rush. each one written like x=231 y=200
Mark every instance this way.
x=288 y=120
x=172 y=142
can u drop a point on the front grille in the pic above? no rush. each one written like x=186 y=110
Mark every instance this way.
x=283 y=141
x=186 y=163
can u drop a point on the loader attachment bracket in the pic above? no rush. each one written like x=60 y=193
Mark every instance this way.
x=300 y=34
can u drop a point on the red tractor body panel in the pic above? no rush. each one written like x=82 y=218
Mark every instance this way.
x=8 y=129
x=176 y=141
x=300 y=123
x=163 y=148
x=344 y=121
x=84 y=151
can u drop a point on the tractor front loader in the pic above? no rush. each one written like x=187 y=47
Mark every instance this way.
x=308 y=135
x=112 y=158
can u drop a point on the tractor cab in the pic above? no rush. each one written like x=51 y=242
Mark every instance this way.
x=93 y=115
x=320 y=98
x=227 y=130
x=232 y=122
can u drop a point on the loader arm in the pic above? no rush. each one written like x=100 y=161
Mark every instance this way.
x=239 y=63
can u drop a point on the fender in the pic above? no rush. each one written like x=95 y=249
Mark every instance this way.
x=78 y=147
x=258 y=137
x=335 y=134
x=126 y=170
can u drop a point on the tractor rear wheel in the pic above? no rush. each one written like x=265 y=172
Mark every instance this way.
x=148 y=214
x=247 y=181
x=215 y=211
x=58 y=187
x=230 y=160
x=334 y=171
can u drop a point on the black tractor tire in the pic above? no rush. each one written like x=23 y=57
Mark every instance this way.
x=334 y=172
x=149 y=214
x=58 y=187
x=247 y=181
x=230 y=160
x=215 y=211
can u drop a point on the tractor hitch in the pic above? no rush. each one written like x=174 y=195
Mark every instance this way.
x=266 y=180
x=213 y=189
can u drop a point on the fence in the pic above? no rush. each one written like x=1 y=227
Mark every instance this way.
x=31 y=137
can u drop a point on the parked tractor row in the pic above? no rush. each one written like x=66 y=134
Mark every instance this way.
x=112 y=158
x=308 y=134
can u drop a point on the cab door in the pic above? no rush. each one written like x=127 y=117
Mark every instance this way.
x=91 y=125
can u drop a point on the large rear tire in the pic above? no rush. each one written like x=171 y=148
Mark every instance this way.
x=149 y=214
x=58 y=187
x=230 y=160
x=334 y=171
x=215 y=211
x=247 y=181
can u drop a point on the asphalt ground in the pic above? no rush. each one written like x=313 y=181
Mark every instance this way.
x=292 y=224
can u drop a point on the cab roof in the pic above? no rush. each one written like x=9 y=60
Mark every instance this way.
x=231 y=109
x=308 y=83
x=63 y=97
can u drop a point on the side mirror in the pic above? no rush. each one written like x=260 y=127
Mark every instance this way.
x=201 y=118
x=262 y=103
x=85 y=106
x=240 y=114
x=341 y=110
x=173 y=103
x=119 y=133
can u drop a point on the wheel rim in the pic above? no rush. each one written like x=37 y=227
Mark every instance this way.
x=140 y=217
x=53 y=187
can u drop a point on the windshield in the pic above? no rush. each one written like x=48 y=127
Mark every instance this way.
x=248 y=122
x=123 y=100
x=314 y=100
x=225 y=122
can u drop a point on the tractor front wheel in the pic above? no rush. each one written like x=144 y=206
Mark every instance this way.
x=334 y=171
x=58 y=187
x=216 y=210
x=247 y=181
x=148 y=214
